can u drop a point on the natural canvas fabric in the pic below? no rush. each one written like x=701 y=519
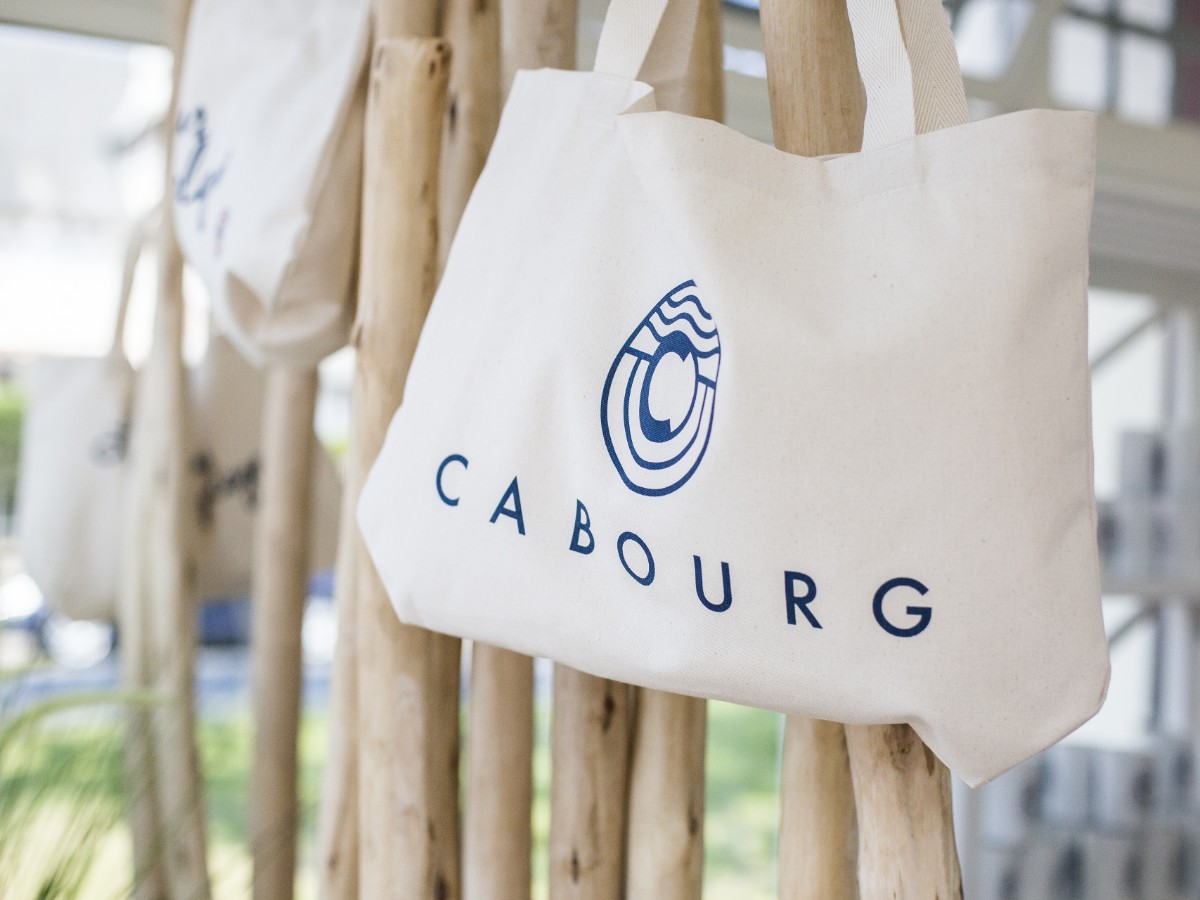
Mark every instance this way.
x=267 y=168
x=73 y=477
x=806 y=434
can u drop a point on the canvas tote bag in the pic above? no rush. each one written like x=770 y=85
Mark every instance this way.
x=805 y=434
x=73 y=472
x=268 y=168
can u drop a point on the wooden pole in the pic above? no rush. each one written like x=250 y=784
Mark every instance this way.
x=497 y=838
x=472 y=28
x=590 y=734
x=407 y=765
x=157 y=604
x=337 y=837
x=666 y=798
x=905 y=829
x=704 y=95
x=817 y=830
x=665 y=841
x=496 y=829
x=167 y=582
x=590 y=747
x=535 y=34
x=906 y=822
x=280 y=591
x=817 y=107
x=817 y=100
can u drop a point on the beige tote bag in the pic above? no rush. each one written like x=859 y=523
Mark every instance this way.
x=268 y=168
x=72 y=477
x=805 y=434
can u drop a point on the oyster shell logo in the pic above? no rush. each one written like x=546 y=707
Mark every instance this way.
x=657 y=405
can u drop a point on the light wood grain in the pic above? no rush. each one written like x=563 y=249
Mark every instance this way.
x=666 y=798
x=906 y=821
x=901 y=791
x=817 y=100
x=472 y=28
x=817 y=106
x=817 y=832
x=665 y=839
x=497 y=837
x=337 y=835
x=589 y=772
x=497 y=834
x=408 y=816
x=280 y=591
x=157 y=603
x=536 y=34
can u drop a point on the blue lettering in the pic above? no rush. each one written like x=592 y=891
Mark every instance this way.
x=795 y=602
x=628 y=537
x=727 y=601
x=583 y=525
x=923 y=613
x=513 y=493
x=455 y=458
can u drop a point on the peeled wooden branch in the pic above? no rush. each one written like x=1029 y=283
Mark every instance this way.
x=817 y=100
x=496 y=830
x=905 y=829
x=666 y=798
x=280 y=592
x=472 y=28
x=817 y=107
x=337 y=837
x=157 y=605
x=408 y=763
x=590 y=741
x=817 y=831
x=497 y=838
x=665 y=842
x=905 y=819
x=535 y=34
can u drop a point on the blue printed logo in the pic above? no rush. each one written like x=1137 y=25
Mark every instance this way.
x=199 y=175
x=657 y=405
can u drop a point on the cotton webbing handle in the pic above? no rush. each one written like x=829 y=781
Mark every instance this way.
x=139 y=237
x=909 y=69
x=938 y=97
x=905 y=52
x=650 y=41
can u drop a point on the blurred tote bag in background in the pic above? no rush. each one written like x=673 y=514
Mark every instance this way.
x=806 y=434
x=73 y=472
x=268 y=168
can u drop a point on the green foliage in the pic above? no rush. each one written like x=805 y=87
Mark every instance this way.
x=60 y=796
x=12 y=406
x=62 y=799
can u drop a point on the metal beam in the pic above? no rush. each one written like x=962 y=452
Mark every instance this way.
x=143 y=21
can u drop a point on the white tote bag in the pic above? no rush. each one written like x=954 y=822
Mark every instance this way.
x=73 y=473
x=805 y=434
x=268 y=168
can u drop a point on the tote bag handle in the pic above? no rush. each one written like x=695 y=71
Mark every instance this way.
x=905 y=51
x=909 y=69
x=139 y=237
x=648 y=40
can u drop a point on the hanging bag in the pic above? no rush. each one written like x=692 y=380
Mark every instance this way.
x=71 y=480
x=73 y=471
x=805 y=434
x=268 y=168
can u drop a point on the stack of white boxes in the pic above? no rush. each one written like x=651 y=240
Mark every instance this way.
x=1085 y=823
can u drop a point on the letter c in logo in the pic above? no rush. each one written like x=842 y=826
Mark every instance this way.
x=454 y=458
x=923 y=613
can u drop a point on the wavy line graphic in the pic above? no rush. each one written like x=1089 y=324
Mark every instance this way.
x=659 y=399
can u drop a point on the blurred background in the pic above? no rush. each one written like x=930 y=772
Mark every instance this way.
x=1112 y=812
